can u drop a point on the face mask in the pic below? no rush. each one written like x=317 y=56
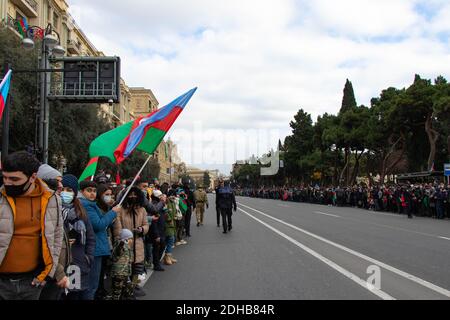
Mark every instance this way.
x=132 y=201
x=107 y=199
x=16 y=191
x=67 y=197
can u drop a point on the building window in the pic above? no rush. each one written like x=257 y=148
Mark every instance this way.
x=55 y=20
x=49 y=13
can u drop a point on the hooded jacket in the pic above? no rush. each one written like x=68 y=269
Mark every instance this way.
x=52 y=228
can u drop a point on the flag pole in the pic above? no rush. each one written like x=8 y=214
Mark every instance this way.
x=134 y=181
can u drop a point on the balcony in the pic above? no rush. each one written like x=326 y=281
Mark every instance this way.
x=73 y=47
x=12 y=24
x=28 y=7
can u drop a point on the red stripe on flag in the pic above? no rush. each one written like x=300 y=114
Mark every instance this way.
x=92 y=161
x=2 y=105
x=118 y=153
x=163 y=125
x=167 y=122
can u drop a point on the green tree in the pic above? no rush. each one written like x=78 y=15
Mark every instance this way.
x=206 y=180
x=72 y=129
x=348 y=100
x=441 y=107
x=23 y=95
x=386 y=136
x=299 y=146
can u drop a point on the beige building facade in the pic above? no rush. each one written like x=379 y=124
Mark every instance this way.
x=41 y=13
x=198 y=175
x=134 y=102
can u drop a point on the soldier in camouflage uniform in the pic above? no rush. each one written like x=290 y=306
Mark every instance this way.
x=122 y=287
x=200 y=198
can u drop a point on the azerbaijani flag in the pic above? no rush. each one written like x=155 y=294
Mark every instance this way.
x=90 y=170
x=4 y=90
x=144 y=133
x=22 y=26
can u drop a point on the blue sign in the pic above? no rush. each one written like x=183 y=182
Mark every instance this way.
x=447 y=169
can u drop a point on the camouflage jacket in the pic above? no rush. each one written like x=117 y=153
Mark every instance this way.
x=122 y=257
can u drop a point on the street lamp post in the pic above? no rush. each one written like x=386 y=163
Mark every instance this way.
x=50 y=46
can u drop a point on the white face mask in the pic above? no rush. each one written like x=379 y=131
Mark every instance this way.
x=67 y=197
x=107 y=199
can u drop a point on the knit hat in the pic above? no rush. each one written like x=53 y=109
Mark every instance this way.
x=126 y=234
x=46 y=172
x=87 y=184
x=157 y=193
x=70 y=181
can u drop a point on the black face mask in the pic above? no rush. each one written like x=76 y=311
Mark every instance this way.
x=16 y=191
x=132 y=201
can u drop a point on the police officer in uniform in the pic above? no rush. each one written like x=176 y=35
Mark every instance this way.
x=225 y=203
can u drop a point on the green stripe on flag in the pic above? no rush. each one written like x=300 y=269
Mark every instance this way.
x=107 y=143
x=90 y=170
x=151 y=140
x=20 y=29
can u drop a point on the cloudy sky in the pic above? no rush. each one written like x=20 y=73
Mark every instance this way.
x=256 y=62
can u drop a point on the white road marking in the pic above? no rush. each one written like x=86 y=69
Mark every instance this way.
x=406 y=275
x=381 y=294
x=327 y=214
x=384 y=225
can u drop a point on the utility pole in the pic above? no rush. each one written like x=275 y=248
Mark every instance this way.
x=43 y=96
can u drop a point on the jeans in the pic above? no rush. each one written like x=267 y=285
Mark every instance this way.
x=51 y=291
x=19 y=289
x=187 y=221
x=148 y=250
x=170 y=241
x=440 y=209
x=94 y=277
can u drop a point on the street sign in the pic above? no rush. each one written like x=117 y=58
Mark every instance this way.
x=447 y=169
x=87 y=80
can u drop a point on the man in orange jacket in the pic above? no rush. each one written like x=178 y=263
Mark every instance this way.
x=32 y=230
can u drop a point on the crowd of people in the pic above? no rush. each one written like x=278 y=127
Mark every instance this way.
x=420 y=199
x=61 y=239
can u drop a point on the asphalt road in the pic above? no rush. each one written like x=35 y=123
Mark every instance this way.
x=294 y=251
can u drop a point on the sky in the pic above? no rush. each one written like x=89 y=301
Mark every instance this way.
x=257 y=62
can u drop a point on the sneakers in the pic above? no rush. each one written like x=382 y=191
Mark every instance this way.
x=142 y=277
x=183 y=242
x=177 y=243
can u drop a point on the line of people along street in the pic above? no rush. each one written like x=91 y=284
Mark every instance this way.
x=420 y=199
x=65 y=240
